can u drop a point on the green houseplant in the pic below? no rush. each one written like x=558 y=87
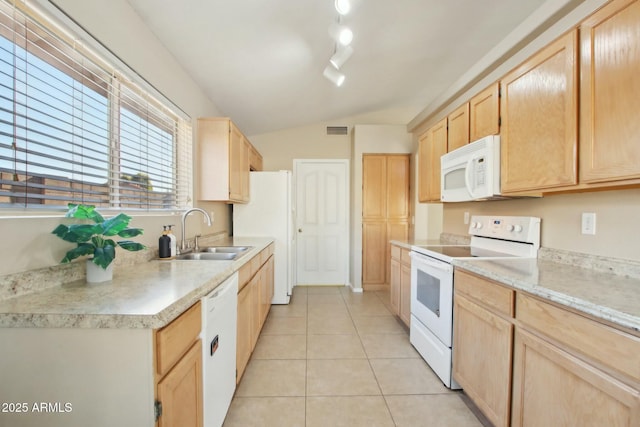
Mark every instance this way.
x=96 y=237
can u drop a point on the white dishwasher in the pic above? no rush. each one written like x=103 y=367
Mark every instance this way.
x=219 y=320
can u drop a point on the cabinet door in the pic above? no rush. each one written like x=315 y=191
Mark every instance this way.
x=374 y=251
x=458 y=128
x=553 y=388
x=243 y=350
x=432 y=145
x=539 y=120
x=610 y=93
x=374 y=185
x=180 y=391
x=482 y=356
x=424 y=145
x=396 y=230
x=484 y=113
x=236 y=149
x=397 y=187
x=405 y=294
x=394 y=284
x=256 y=323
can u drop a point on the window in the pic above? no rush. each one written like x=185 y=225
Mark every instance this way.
x=74 y=129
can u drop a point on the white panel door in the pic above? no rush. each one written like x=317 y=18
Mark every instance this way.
x=322 y=221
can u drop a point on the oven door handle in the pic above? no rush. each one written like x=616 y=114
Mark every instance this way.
x=442 y=266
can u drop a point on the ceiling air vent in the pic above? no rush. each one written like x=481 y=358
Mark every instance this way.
x=336 y=130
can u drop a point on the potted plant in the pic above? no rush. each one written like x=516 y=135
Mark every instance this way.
x=95 y=238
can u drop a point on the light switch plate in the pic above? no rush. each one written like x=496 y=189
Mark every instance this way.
x=588 y=223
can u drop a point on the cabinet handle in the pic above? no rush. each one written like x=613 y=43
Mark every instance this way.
x=299 y=230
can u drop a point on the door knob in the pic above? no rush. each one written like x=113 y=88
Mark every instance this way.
x=299 y=230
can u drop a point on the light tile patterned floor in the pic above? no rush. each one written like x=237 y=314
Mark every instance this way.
x=335 y=358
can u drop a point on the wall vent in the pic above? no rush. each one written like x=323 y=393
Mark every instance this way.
x=336 y=130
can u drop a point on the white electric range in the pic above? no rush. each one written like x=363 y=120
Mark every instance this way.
x=432 y=281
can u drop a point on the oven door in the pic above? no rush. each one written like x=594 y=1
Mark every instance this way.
x=432 y=295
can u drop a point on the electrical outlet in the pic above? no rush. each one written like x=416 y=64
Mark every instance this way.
x=589 y=223
x=466 y=217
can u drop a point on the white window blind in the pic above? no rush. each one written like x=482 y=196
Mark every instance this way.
x=75 y=129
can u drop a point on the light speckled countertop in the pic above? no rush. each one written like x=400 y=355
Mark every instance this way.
x=145 y=295
x=614 y=298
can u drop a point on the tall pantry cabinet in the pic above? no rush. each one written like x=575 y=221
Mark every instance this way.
x=385 y=214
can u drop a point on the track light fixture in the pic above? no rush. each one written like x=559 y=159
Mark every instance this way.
x=333 y=75
x=341 y=56
x=343 y=6
x=342 y=36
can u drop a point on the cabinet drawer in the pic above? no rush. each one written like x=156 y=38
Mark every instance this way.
x=604 y=344
x=256 y=262
x=244 y=275
x=395 y=252
x=405 y=257
x=491 y=294
x=174 y=340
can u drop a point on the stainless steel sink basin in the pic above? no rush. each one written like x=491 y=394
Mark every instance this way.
x=225 y=249
x=211 y=256
x=215 y=253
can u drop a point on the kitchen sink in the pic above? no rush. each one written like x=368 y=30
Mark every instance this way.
x=215 y=253
x=211 y=256
x=225 y=249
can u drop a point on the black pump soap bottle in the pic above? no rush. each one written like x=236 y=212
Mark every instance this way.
x=164 y=245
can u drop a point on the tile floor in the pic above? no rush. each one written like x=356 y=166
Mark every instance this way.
x=335 y=358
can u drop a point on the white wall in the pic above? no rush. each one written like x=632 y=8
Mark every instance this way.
x=369 y=139
x=28 y=242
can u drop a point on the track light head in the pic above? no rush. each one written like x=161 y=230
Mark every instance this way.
x=333 y=75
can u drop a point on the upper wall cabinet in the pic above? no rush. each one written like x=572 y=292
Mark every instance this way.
x=432 y=145
x=484 y=113
x=458 y=127
x=610 y=94
x=539 y=108
x=223 y=161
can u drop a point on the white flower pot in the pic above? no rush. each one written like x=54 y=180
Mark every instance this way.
x=97 y=274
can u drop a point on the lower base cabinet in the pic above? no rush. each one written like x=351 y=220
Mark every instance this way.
x=482 y=346
x=527 y=362
x=255 y=293
x=400 y=283
x=554 y=388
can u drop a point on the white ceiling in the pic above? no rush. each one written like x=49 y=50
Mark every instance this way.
x=261 y=61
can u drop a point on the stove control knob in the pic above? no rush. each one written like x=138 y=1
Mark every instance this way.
x=510 y=228
x=518 y=228
x=477 y=225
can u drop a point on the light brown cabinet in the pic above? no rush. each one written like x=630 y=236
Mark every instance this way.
x=223 y=161
x=458 y=127
x=482 y=342
x=255 y=292
x=400 y=283
x=539 y=106
x=385 y=214
x=484 y=113
x=431 y=146
x=525 y=361
x=255 y=159
x=572 y=370
x=179 y=370
x=610 y=100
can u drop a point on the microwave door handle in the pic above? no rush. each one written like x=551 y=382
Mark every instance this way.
x=467 y=176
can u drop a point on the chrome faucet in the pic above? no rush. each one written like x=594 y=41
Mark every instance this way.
x=183 y=246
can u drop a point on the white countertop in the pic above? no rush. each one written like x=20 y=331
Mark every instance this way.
x=146 y=295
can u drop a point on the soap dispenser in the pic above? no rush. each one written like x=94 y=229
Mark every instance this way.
x=164 y=245
x=173 y=244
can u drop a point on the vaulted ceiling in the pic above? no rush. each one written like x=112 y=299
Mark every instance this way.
x=261 y=61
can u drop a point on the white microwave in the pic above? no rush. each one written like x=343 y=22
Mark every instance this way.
x=472 y=172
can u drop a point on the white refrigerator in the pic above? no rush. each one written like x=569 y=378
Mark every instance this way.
x=269 y=213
